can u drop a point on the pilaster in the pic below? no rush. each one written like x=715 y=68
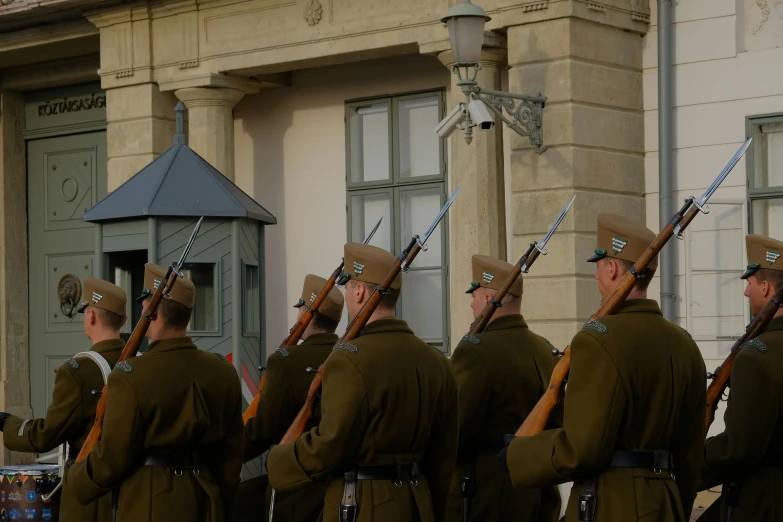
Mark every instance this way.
x=141 y=127
x=211 y=124
x=594 y=130
x=14 y=326
x=478 y=222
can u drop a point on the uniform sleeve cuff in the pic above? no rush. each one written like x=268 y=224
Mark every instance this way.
x=81 y=485
x=530 y=462
x=12 y=439
x=284 y=470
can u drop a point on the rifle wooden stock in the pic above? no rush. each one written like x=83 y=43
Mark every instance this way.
x=253 y=407
x=296 y=333
x=354 y=328
x=536 y=420
x=130 y=350
x=483 y=319
x=721 y=375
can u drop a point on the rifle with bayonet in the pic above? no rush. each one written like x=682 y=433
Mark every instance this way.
x=134 y=341
x=402 y=264
x=300 y=326
x=720 y=377
x=523 y=265
x=480 y=324
x=537 y=418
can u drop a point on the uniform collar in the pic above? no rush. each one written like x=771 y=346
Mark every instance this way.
x=640 y=305
x=775 y=324
x=175 y=343
x=109 y=345
x=391 y=324
x=321 y=338
x=504 y=323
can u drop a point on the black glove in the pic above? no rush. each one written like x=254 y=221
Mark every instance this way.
x=507 y=439
x=3 y=417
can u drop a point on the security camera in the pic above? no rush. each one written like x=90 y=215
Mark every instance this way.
x=451 y=122
x=480 y=115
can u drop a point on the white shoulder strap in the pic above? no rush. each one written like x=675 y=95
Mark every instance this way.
x=99 y=360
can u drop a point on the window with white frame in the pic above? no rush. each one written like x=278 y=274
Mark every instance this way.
x=765 y=175
x=396 y=168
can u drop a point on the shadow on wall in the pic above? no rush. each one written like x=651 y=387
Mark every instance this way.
x=290 y=157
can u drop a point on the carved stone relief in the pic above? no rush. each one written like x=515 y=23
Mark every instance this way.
x=763 y=24
x=312 y=12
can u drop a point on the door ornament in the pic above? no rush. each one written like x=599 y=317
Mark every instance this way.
x=69 y=290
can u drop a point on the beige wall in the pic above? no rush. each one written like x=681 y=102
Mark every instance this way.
x=290 y=157
x=728 y=57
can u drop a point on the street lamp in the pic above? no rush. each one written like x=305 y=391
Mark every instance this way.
x=466 y=31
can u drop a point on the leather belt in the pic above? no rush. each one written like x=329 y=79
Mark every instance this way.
x=655 y=460
x=173 y=459
x=394 y=472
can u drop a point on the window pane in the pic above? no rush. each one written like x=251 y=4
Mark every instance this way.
x=422 y=304
x=365 y=211
x=369 y=131
x=417 y=209
x=419 y=143
x=768 y=217
x=204 y=316
x=252 y=298
x=768 y=159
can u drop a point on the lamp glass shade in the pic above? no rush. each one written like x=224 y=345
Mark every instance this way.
x=467 y=37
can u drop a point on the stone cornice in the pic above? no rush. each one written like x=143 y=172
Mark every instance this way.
x=46 y=34
x=245 y=85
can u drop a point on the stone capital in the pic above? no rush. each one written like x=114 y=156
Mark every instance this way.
x=194 y=97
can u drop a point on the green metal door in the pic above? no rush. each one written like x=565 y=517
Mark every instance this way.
x=66 y=176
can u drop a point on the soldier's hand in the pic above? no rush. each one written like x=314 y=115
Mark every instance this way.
x=3 y=417
x=507 y=439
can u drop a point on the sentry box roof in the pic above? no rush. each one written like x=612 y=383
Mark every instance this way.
x=178 y=183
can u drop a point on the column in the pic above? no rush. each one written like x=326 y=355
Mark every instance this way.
x=594 y=128
x=141 y=127
x=211 y=127
x=477 y=221
x=14 y=356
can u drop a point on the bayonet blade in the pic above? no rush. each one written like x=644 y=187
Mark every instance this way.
x=189 y=245
x=372 y=232
x=440 y=215
x=724 y=173
x=557 y=222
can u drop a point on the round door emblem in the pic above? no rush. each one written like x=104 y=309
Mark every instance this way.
x=69 y=290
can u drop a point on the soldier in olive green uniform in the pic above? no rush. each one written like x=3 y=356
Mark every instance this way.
x=285 y=390
x=172 y=435
x=501 y=373
x=388 y=432
x=633 y=427
x=71 y=414
x=748 y=456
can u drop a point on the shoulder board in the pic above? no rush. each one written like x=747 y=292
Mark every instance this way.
x=124 y=366
x=348 y=347
x=282 y=352
x=596 y=325
x=472 y=339
x=221 y=357
x=72 y=363
x=757 y=344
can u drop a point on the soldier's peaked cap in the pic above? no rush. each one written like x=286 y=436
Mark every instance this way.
x=763 y=252
x=183 y=292
x=104 y=295
x=332 y=305
x=622 y=238
x=369 y=264
x=491 y=273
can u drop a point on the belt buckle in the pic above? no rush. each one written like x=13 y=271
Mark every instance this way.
x=586 y=505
